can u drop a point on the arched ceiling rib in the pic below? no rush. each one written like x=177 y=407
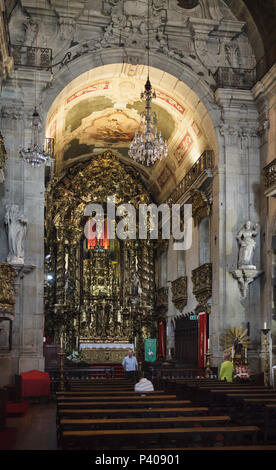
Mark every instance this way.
x=100 y=110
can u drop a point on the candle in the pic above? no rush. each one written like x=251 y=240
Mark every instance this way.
x=245 y=353
x=208 y=343
x=232 y=352
x=265 y=325
x=61 y=342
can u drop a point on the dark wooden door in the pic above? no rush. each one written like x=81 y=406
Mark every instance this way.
x=186 y=341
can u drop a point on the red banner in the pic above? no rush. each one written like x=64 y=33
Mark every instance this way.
x=161 y=339
x=202 y=339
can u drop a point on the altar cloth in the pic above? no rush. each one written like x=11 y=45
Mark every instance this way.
x=106 y=345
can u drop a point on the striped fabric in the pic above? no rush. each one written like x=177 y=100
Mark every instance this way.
x=144 y=385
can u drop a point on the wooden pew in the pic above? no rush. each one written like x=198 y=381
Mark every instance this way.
x=269 y=420
x=122 y=404
x=93 y=398
x=226 y=397
x=88 y=413
x=102 y=389
x=80 y=424
x=144 y=422
x=122 y=438
x=130 y=413
x=248 y=448
x=110 y=393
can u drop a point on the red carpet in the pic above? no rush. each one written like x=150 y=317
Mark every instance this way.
x=17 y=408
x=7 y=438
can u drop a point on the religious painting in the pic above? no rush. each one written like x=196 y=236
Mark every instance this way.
x=104 y=114
x=164 y=176
x=183 y=147
x=95 y=125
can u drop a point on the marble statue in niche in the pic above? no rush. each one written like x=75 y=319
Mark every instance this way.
x=16 y=223
x=247 y=245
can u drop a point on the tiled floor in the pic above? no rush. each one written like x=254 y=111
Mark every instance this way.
x=37 y=429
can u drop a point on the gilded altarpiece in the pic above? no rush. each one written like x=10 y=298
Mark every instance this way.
x=100 y=291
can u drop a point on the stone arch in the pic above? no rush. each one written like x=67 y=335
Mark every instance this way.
x=200 y=93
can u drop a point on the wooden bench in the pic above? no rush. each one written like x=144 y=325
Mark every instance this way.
x=149 y=421
x=111 y=393
x=129 y=398
x=102 y=389
x=122 y=438
x=269 y=420
x=122 y=404
x=129 y=412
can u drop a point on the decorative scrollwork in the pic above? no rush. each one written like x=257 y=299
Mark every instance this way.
x=7 y=298
x=179 y=292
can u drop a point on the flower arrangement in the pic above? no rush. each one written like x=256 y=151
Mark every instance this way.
x=75 y=356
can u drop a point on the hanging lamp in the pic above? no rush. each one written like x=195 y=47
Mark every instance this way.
x=149 y=146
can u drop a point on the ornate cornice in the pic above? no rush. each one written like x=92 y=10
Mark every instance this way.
x=162 y=300
x=202 y=283
x=269 y=173
x=200 y=205
x=179 y=292
x=201 y=170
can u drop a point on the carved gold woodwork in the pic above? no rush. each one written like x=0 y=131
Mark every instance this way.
x=179 y=292
x=233 y=336
x=3 y=154
x=202 y=283
x=104 y=355
x=199 y=172
x=7 y=298
x=97 y=290
x=162 y=301
x=200 y=205
x=269 y=173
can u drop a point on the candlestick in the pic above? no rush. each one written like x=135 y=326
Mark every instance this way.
x=266 y=357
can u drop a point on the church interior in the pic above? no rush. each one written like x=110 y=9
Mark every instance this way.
x=137 y=225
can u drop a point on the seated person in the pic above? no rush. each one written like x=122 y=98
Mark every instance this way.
x=144 y=384
x=226 y=369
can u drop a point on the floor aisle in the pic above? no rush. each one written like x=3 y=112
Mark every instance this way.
x=37 y=429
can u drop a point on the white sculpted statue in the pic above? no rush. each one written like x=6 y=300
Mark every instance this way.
x=247 y=245
x=17 y=229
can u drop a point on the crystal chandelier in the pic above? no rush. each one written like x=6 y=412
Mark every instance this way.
x=148 y=147
x=33 y=155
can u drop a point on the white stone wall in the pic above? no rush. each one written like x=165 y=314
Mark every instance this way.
x=189 y=46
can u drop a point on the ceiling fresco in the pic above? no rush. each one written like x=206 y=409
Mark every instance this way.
x=100 y=111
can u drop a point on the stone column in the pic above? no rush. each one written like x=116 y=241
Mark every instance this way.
x=235 y=200
x=265 y=94
x=24 y=186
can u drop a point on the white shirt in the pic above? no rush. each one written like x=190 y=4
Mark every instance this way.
x=144 y=385
x=130 y=363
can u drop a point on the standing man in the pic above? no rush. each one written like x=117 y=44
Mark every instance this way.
x=130 y=365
